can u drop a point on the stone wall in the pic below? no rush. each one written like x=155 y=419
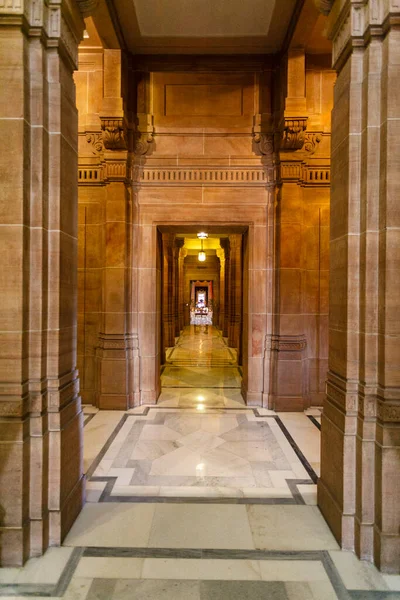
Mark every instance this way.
x=205 y=145
x=41 y=480
x=359 y=488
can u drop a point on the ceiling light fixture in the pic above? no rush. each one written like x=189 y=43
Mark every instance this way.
x=202 y=255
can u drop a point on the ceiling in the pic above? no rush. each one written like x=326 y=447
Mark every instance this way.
x=203 y=26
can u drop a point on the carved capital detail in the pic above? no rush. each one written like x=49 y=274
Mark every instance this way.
x=311 y=141
x=264 y=143
x=263 y=140
x=95 y=140
x=143 y=137
x=114 y=133
x=293 y=133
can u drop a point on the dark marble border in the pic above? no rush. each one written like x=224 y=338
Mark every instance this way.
x=46 y=589
x=88 y=418
x=314 y=421
x=59 y=589
x=106 y=446
x=106 y=495
x=298 y=452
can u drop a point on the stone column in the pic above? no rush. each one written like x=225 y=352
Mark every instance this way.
x=41 y=479
x=114 y=350
x=225 y=324
x=168 y=304
x=235 y=243
x=178 y=285
x=221 y=256
x=181 y=294
x=359 y=492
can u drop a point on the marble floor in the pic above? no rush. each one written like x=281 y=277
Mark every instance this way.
x=200 y=498
x=201 y=357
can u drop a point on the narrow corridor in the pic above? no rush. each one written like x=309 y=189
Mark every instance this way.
x=200 y=498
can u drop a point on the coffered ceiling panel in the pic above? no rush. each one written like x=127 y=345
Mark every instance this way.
x=203 y=26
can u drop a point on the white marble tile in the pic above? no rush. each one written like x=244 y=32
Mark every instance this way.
x=201 y=441
x=110 y=567
x=292 y=570
x=290 y=528
x=45 y=569
x=202 y=492
x=264 y=492
x=200 y=526
x=152 y=449
x=278 y=478
x=313 y=590
x=112 y=525
x=104 y=467
x=309 y=493
x=304 y=433
x=123 y=475
x=392 y=581
x=78 y=588
x=97 y=432
x=357 y=574
x=181 y=462
x=159 y=432
x=89 y=409
x=94 y=489
x=219 y=463
x=135 y=490
x=251 y=451
x=203 y=569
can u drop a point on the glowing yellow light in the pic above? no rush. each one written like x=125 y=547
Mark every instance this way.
x=202 y=256
x=202 y=235
x=200 y=398
x=201 y=407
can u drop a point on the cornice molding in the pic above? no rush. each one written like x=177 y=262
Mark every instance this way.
x=353 y=23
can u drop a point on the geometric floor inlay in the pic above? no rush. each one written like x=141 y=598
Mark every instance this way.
x=226 y=454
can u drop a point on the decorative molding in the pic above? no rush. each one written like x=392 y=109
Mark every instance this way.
x=305 y=174
x=88 y=175
x=114 y=133
x=116 y=170
x=87 y=7
x=196 y=176
x=341 y=38
x=263 y=140
x=11 y=7
x=143 y=136
x=347 y=401
x=287 y=343
x=311 y=142
x=264 y=143
x=293 y=133
x=95 y=140
x=389 y=413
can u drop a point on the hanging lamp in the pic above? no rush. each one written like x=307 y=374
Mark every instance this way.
x=202 y=255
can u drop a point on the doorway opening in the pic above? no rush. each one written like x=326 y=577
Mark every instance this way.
x=203 y=289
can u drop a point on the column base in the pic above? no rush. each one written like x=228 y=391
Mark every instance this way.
x=14 y=545
x=342 y=526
